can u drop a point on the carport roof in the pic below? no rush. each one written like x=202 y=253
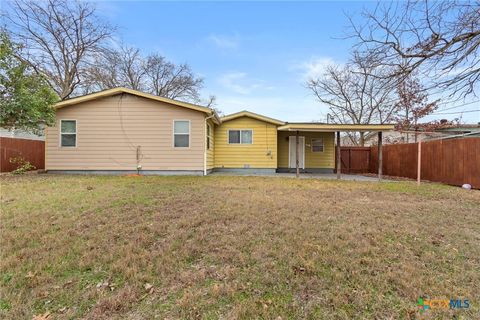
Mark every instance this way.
x=326 y=127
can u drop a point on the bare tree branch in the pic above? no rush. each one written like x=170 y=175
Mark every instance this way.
x=126 y=67
x=438 y=39
x=412 y=105
x=355 y=93
x=58 y=37
x=169 y=80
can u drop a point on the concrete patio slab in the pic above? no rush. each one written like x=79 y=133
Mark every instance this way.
x=324 y=176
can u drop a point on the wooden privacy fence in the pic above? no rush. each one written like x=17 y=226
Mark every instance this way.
x=32 y=151
x=451 y=161
x=354 y=159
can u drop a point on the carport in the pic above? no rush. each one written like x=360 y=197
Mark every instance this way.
x=299 y=128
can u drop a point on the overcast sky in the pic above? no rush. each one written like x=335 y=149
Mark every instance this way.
x=252 y=55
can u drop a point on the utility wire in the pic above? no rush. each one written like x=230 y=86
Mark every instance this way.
x=467 y=111
x=460 y=105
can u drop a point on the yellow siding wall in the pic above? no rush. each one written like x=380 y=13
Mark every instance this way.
x=325 y=159
x=211 y=151
x=261 y=154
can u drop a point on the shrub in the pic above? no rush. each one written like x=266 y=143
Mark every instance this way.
x=22 y=165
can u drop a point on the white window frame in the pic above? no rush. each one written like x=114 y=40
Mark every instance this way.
x=323 y=145
x=60 y=133
x=189 y=133
x=209 y=136
x=240 y=143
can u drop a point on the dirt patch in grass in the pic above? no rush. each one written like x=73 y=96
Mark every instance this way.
x=234 y=247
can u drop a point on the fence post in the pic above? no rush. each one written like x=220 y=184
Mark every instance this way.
x=419 y=160
x=380 y=156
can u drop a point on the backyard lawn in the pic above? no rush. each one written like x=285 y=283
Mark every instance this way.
x=234 y=247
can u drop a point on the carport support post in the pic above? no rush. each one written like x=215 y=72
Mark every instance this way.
x=380 y=156
x=339 y=161
x=297 y=152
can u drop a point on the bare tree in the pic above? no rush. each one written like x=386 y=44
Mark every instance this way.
x=131 y=68
x=123 y=67
x=169 y=80
x=355 y=93
x=126 y=67
x=211 y=102
x=103 y=73
x=412 y=105
x=438 y=39
x=58 y=39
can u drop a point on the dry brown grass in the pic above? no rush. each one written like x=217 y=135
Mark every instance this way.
x=234 y=247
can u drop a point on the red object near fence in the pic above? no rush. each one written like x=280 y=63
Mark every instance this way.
x=32 y=151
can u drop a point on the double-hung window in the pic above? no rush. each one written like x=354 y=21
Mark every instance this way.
x=68 y=133
x=181 y=133
x=317 y=145
x=209 y=135
x=240 y=136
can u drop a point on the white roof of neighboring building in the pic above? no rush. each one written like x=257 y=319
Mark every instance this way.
x=20 y=134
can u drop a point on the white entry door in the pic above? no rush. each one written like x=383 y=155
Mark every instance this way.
x=292 y=159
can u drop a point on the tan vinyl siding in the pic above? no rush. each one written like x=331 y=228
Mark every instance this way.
x=110 y=129
x=211 y=151
x=262 y=153
x=325 y=159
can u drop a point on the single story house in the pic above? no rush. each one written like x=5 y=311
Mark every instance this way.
x=122 y=130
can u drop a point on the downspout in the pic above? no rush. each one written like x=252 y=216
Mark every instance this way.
x=205 y=144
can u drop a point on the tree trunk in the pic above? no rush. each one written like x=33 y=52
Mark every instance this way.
x=362 y=139
x=416 y=130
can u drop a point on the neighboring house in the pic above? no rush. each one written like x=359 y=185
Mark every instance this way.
x=20 y=134
x=469 y=130
x=122 y=130
x=394 y=137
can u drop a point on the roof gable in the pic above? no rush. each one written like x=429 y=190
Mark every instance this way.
x=115 y=91
x=253 y=116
